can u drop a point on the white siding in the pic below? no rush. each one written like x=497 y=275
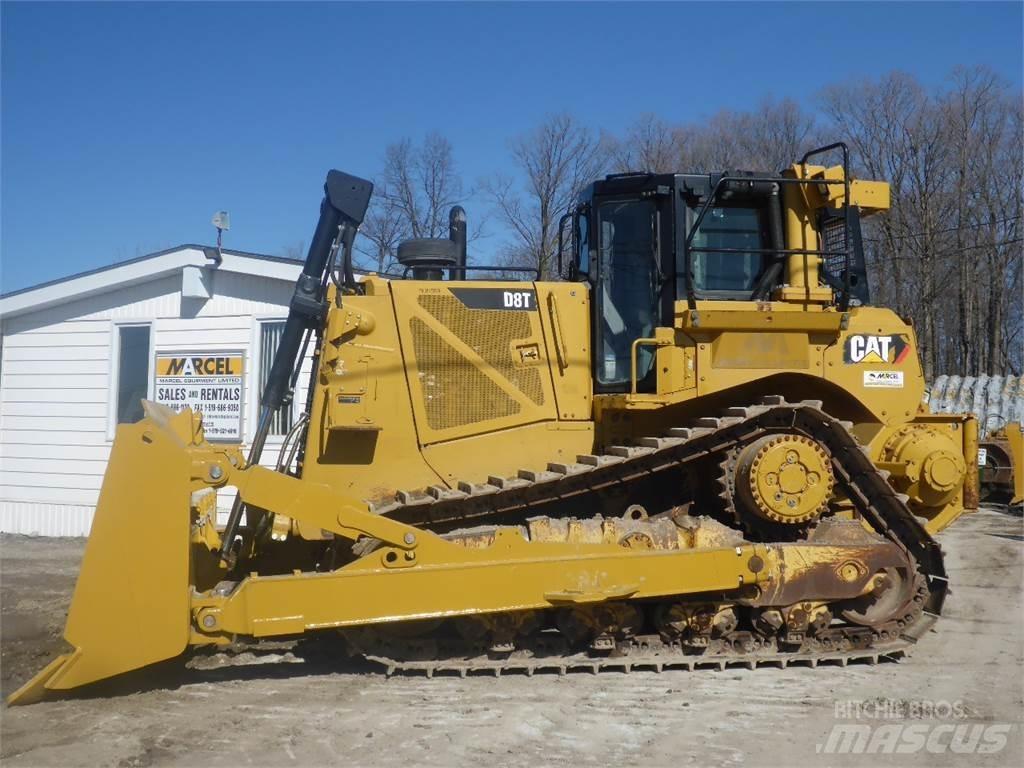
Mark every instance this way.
x=44 y=519
x=55 y=378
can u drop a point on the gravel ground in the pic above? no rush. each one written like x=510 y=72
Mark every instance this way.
x=294 y=706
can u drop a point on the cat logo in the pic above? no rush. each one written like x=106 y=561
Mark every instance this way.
x=880 y=350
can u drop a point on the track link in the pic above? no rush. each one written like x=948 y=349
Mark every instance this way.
x=577 y=663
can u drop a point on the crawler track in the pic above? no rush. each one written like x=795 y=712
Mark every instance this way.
x=651 y=662
x=585 y=482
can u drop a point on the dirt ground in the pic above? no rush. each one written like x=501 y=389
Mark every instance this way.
x=300 y=707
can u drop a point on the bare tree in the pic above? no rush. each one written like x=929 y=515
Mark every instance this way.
x=414 y=192
x=649 y=144
x=554 y=161
x=383 y=229
x=952 y=239
x=767 y=138
x=423 y=184
x=774 y=135
x=872 y=117
x=985 y=138
x=711 y=145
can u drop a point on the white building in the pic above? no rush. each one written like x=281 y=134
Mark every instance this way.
x=78 y=354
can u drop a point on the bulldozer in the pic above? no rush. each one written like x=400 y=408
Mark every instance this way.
x=1001 y=467
x=998 y=403
x=699 y=446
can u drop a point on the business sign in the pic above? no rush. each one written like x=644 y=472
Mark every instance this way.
x=210 y=384
x=883 y=379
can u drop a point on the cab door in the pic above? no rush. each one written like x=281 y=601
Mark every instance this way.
x=633 y=245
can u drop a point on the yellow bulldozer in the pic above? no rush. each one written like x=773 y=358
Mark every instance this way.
x=998 y=404
x=1001 y=466
x=700 y=446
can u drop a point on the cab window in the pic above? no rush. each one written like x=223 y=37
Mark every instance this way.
x=627 y=287
x=729 y=228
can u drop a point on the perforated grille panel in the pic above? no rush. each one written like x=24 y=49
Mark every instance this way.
x=833 y=236
x=851 y=268
x=489 y=333
x=455 y=392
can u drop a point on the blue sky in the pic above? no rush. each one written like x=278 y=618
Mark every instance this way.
x=125 y=126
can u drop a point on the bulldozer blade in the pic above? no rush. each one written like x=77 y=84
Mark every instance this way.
x=131 y=603
x=1015 y=439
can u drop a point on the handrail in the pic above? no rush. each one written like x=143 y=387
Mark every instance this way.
x=845 y=302
x=691 y=296
x=561 y=227
x=561 y=352
x=481 y=268
x=632 y=358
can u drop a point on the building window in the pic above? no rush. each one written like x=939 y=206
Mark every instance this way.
x=270 y=338
x=132 y=372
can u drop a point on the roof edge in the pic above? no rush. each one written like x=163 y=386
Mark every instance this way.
x=144 y=257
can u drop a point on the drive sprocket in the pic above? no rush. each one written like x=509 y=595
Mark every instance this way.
x=776 y=486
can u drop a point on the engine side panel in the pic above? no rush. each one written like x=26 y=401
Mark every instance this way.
x=429 y=383
x=476 y=359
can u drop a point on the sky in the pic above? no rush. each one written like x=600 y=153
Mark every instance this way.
x=125 y=126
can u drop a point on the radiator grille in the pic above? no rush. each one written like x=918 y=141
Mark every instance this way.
x=455 y=392
x=490 y=334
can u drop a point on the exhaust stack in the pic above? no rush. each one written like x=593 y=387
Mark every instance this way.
x=457 y=234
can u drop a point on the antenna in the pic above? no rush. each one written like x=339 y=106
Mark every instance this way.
x=222 y=221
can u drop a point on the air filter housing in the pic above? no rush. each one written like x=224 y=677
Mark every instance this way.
x=428 y=257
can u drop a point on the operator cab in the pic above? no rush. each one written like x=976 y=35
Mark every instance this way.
x=630 y=248
x=645 y=241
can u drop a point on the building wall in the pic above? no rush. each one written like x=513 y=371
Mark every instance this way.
x=56 y=372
